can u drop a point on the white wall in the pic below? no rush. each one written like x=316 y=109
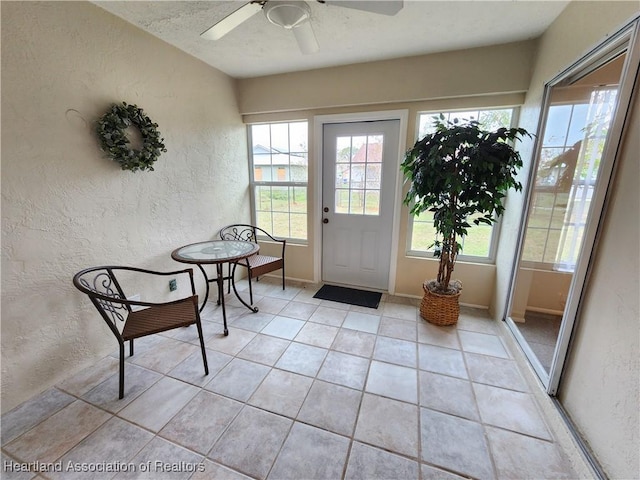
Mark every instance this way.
x=66 y=207
x=599 y=388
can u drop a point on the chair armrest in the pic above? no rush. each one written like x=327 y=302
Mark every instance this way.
x=246 y=232
x=188 y=271
x=282 y=241
x=111 y=273
x=192 y=298
x=153 y=272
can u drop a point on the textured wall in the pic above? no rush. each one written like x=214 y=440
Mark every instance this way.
x=65 y=207
x=475 y=71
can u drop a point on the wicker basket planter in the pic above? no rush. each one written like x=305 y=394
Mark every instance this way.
x=440 y=309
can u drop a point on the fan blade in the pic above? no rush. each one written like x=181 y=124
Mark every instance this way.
x=306 y=38
x=383 y=7
x=231 y=21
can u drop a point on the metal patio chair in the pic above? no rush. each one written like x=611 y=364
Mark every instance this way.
x=131 y=319
x=258 y=264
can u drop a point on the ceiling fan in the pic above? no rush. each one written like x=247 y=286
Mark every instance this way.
x=295 y=15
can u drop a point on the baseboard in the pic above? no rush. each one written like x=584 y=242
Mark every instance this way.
x=405 y=295
x=473 y=305
x=288 y=279
x=548 y=311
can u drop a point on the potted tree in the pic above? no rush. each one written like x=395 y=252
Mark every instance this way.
x=456 y=172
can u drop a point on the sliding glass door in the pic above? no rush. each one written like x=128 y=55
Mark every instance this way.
x=581 y=125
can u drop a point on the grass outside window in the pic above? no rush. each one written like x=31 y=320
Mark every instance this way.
x=279 y=175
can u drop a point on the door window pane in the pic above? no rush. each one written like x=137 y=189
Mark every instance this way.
x=358 y=175
x=356 y=202
x=372 y=202
x=342 y=201
x=374 y=177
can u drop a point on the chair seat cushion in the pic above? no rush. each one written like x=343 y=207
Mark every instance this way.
x=256 y=261
x=261 y=264
x=160 y=318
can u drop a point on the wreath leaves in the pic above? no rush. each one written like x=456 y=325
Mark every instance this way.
x=111 y=130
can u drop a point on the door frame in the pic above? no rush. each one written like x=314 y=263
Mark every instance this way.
x=318 y=126
x=629 y=36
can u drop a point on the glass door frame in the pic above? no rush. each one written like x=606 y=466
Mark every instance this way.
x=626 y=40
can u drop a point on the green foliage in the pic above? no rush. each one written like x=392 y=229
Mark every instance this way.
x=457 y=172
x=114 y=142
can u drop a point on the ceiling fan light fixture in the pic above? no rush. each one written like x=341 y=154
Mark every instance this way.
x=287 y=14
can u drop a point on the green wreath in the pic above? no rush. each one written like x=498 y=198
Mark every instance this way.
x=111 y=129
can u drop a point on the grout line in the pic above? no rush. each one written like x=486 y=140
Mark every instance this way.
x=331 y=348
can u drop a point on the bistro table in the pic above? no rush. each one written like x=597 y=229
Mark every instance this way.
x=217 y=252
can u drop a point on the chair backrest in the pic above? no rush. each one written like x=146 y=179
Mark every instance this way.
x=102 y=287
x=239 y=231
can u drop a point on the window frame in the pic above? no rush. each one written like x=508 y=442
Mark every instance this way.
x=496 y=227
x=253 y=183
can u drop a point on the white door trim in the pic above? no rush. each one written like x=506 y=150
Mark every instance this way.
x=318 y=123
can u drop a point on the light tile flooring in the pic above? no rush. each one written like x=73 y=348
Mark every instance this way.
x=303 y=389
x=541 y=332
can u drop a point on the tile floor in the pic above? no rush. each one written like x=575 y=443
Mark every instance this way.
x=541 y=332
x=303 y=389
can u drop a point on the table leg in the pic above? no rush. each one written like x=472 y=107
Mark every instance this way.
x=206 y=283
x=220 y=282
x=233 y=284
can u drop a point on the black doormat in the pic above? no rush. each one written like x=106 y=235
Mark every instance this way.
x=352 y=296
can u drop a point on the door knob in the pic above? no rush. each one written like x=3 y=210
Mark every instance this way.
x=325 y=220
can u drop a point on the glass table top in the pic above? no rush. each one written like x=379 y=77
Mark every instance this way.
x=215 y=251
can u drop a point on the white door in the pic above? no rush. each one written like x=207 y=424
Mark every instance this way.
x=360 y=167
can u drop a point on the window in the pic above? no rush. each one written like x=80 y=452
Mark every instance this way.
x=479 y=244
x=570 y=154
x=279 y=166
x=358 y=174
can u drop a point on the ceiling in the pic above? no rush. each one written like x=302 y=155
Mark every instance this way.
x=257 y=47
